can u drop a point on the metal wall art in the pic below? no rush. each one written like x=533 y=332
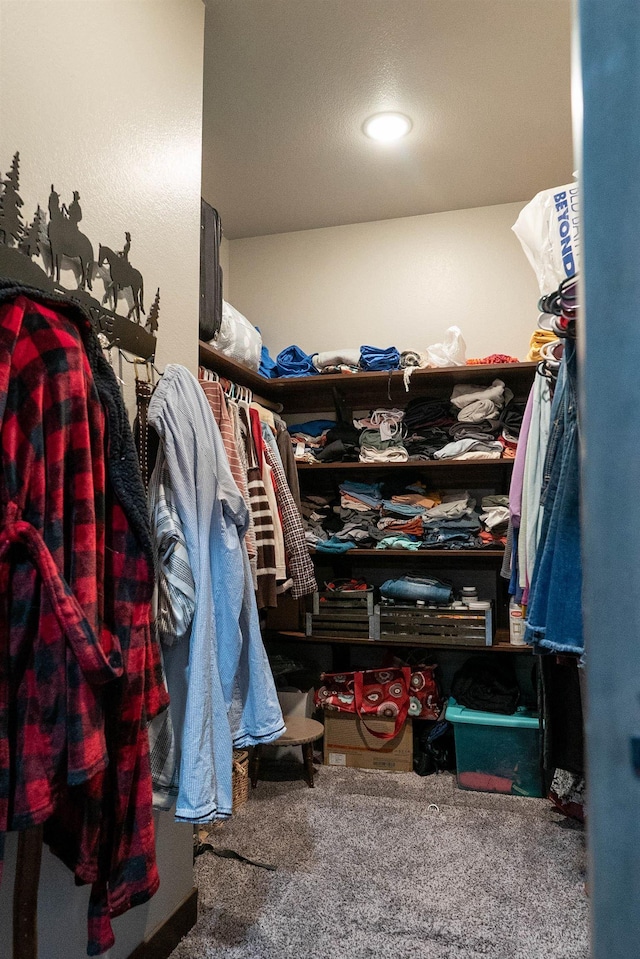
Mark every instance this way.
x=33 y=252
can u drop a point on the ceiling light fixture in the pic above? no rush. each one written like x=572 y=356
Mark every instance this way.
x=386 y=127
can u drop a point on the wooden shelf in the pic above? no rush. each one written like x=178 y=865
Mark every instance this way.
x=501 y=643
x=412 y=553
x=309 y=394
x=215 y=360
x=361 y=390
x=415 y=465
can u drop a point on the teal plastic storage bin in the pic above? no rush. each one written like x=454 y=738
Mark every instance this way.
x=496 y=753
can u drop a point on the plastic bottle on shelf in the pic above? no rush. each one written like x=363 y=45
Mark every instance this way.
x=469 y=594
x=516 y=623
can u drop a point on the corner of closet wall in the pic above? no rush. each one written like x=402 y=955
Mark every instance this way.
x=110 y=105
x=361 y=283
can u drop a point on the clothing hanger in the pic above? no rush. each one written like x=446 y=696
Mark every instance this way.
x=562 y=307
x=563 y=302
x=552 y=352
x=564 y=327
x=107 y=349
x=547 y=371
x=549 y=364
x=544 y=323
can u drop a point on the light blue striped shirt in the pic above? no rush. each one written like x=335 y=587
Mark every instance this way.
x=221 y=686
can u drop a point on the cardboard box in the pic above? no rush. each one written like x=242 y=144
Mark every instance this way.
x=347 y=742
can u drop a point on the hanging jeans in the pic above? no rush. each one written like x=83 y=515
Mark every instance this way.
x=554 y=615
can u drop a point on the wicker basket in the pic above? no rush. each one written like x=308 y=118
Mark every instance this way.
x=240 y=777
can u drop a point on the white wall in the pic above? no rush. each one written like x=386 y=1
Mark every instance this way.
x=400 y=282
x=105 y=97
x=225 y=263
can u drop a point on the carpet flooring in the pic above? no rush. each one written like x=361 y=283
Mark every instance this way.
x=367 y=868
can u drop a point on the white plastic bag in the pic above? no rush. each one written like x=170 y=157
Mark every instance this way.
x=451 y=352
x=237 y=338
x=549 y=230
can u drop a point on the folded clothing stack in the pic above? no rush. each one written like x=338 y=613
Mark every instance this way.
x=353 y=521
x=495 y=520
x=402 y=517
x=325 y=441
x=471 y=448
x=476 y=404
x=360 y=496
x=369 y=515
x=423 y=413
x=342 y=444
x=337 y=361
x=373 y=358
x=474 y=435
x=310 y=439
x=478 y=423
x=381 y=439
x=316 y=510
x=293 y=361
x=512 y=417
x=427 y=423
x=453 y=523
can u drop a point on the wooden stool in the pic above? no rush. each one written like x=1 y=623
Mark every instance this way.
x=300 y=732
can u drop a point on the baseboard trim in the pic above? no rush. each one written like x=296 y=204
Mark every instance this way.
x=167 y=936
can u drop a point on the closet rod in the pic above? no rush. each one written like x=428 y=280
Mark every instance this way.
x=226 y=382
x=268 y=404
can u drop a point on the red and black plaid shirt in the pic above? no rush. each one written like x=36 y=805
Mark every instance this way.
x=79 y=670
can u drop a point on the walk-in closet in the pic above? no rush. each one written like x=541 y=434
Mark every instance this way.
x=318 y=519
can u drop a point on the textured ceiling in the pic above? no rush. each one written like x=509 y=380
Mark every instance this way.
x=288 y=84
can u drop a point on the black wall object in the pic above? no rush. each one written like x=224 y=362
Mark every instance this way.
x=34 y=252
x=210 y=272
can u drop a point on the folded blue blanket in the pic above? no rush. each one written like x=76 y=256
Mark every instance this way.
x=268 y=366
x=312 y=427
x=292 y=361
x=373 y=358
